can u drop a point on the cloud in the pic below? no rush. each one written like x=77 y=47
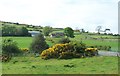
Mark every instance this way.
x=87 y=14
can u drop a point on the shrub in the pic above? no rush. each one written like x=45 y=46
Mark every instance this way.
x=39 y=44
x=78 y=47
x=66 y=55
x=68 y=50
x=91 y=51
x=48 y=53
x=100 y=47
x=24 y=49
x=10 y=47
x=64 y=51
x=64 y=40
x=108 y=48
x=55 y=51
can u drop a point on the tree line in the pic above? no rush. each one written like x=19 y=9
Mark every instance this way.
x=8 y=30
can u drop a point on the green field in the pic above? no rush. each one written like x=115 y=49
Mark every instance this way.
x=24 y=42
x=94 y=65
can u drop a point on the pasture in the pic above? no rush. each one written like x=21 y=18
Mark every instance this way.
x=24 y=42
x=94 y=65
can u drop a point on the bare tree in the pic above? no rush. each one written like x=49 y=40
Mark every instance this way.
x=98 y=28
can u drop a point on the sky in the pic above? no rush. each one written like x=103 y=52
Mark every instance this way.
x=78 y=14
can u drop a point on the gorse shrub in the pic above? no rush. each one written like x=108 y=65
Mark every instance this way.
x=79 y=47
x=24 y=49
x=101 y=47
x=91 y=51
x=55 y=51
x=67 y=51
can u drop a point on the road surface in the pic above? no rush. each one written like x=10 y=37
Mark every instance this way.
x=108 y=53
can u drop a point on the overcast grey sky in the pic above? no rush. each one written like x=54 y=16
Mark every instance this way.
x=87 y=14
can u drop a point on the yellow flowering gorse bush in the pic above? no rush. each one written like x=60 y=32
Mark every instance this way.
x=91 y=49
x=56 y=51
x=67 y=50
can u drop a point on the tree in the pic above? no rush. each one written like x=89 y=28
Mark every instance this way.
x=69 y=32
x=14 y=31
x=82 y=30
x=39 y=44
x=24 y=31
x=47 y=30
x=98 y=28
x=8 y=30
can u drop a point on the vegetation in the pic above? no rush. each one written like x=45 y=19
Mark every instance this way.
x=32 y=65
x=9 y=47
x=75 y=54
x=69 y=32
x=24 y=42
x=39 y=44
x=14 y=31
x=64 y=40
x=68 y=50
x=47 y=30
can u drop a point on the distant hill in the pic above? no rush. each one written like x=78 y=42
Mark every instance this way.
x=12 y=23
x=29 y=27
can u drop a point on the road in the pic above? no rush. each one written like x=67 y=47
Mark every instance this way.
x=108 y=53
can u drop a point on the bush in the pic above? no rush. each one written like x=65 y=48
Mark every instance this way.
x=91 y=51
x=55 y=51
x=47 y=30
x=10 y=47
x=39 y=44
x=100 y=47
x=79 y=47
x=66 y=55
x=68 y=51
x=64 y=40
x=24 y=49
